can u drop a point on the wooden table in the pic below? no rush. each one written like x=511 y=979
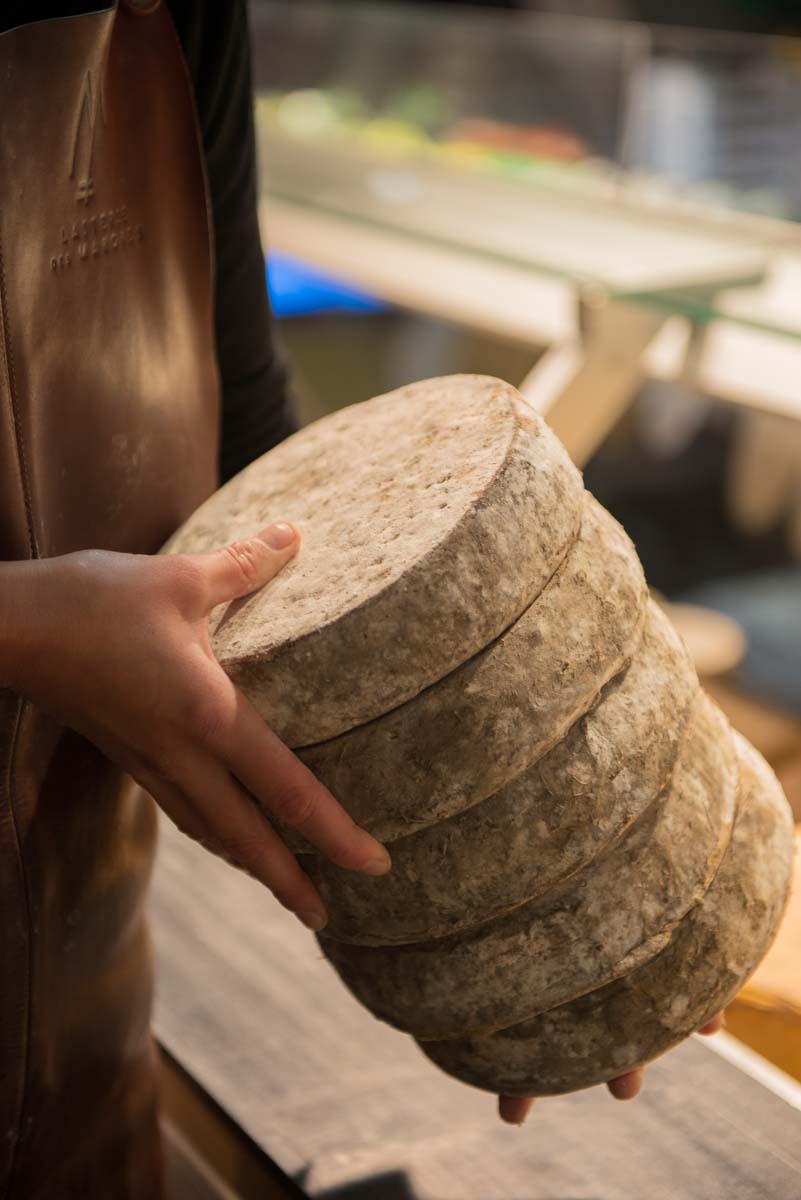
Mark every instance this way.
x=350 y=1109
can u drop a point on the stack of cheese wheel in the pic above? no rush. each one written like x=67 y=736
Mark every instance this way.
x=587 y=861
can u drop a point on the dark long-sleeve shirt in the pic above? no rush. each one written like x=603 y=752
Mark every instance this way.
x=257 y=410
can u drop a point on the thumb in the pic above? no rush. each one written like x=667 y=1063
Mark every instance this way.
x=246 y=565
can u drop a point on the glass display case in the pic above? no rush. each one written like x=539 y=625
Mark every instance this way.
x=620 y=193
x=717 y=113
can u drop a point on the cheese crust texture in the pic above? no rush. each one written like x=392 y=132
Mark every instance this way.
x=587 y=861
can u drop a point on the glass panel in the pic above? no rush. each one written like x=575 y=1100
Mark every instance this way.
x=723 y=111
x=601 y=152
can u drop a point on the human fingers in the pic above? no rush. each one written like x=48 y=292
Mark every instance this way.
x=514 y=1109
x=209 y=805
x=627 y=1086
x=243 y=566
x=289 y=792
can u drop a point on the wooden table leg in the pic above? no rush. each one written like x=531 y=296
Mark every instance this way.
x=583 y=388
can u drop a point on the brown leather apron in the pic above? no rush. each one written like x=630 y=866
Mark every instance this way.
x=108 y=438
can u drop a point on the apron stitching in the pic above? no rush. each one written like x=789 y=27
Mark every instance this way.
x=12 y=386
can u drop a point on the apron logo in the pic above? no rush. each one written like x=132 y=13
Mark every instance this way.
x=84 y=144
x=92 y=235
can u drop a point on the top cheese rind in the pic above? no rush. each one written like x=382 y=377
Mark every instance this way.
x=430 y=518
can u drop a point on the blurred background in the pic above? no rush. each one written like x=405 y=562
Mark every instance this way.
x=599 y=202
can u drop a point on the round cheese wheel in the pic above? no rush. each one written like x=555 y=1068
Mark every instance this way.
x=479 y=727
x=549 y=822
x=617 y=912
x=631 y=1021
x=431 y=517
x=464 y=652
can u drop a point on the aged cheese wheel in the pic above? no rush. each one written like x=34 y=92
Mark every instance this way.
x=466 y=736
x=550 y=821
x=633 y=1020
x=616 y=913
x=431 y=518
x=465 y=653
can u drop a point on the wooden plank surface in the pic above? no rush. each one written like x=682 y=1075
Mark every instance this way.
x=350 y=1108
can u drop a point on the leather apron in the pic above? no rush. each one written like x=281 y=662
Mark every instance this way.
x=108 y=438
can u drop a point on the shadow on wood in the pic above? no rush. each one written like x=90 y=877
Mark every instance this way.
x=395 y=1185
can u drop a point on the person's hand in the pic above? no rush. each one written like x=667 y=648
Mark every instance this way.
x=116 y=647
x=514 y=1109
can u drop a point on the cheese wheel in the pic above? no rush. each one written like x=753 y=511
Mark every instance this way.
x=478 y=728
x=602 y=923
x=711 y=954
x=431 y=517
x=464 y=652
x=538 y=830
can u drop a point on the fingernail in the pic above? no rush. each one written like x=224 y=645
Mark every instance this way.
x=313 y=920
x=378 y=866
x=278 y=536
